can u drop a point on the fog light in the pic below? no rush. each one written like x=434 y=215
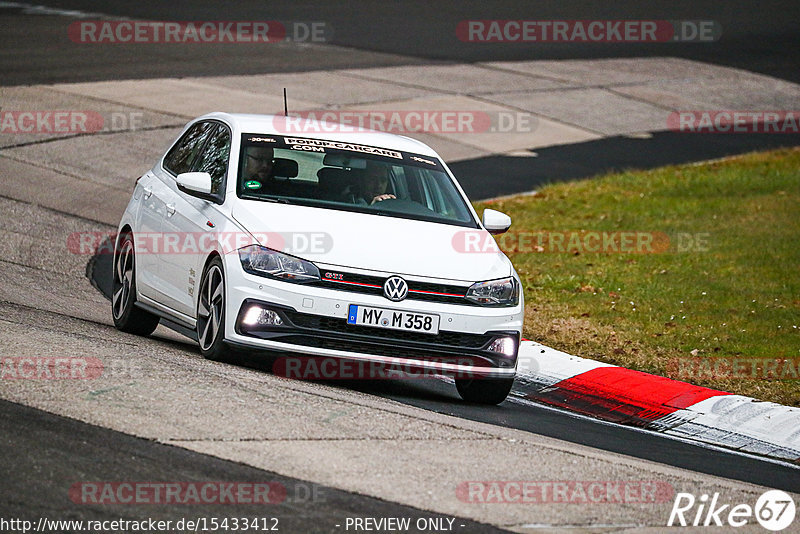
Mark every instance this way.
x=258 y=316
x=503 y=345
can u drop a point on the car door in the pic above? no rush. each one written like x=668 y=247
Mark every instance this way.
x=148 y=226
x=180 y=158
x=190 y=218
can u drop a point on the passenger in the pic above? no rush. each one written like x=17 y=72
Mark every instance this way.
x=374 y=185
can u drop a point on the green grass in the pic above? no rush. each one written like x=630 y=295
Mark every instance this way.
x=736 y=295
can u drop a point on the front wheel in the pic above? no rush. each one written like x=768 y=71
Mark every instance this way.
x=484 y=390
x=127 y=317
x=211 y=312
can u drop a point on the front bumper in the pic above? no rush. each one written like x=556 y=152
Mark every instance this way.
x=314 y=322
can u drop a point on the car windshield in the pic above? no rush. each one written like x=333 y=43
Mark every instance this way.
x=348 y=176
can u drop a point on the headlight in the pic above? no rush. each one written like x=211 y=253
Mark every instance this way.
x=263 y=261
x=503 y=292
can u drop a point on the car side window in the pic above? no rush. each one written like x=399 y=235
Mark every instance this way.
x=183 y=155
x=214 y=158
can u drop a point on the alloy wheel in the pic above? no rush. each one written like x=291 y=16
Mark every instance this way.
x=210 y=307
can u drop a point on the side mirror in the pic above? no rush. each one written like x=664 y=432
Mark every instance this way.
x=194 y=182
x=495 y=222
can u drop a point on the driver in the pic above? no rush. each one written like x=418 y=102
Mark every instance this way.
x=258 y=163
x=374 y=184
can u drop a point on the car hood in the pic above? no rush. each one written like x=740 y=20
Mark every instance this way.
x=373 y=242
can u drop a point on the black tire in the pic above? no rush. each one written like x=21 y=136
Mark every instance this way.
x=484 y=390
x=127 y=316
x=211 y=312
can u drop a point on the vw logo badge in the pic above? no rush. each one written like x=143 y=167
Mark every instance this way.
x=395 y=288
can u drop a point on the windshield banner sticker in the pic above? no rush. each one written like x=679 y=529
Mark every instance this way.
x=321 y=143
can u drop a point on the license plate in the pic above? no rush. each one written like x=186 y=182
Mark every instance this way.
x=425 y=323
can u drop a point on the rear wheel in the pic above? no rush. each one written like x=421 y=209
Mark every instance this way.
x=127 y=317
x=211 y=312
x=484 y=390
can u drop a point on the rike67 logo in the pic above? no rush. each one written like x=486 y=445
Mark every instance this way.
x=774 y=510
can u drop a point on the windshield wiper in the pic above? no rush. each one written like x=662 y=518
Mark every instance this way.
x=267 y=199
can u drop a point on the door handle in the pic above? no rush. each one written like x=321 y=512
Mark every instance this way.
x=170 y=210
x=147 y=192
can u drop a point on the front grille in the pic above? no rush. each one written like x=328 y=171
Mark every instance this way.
x=333 y=324
x=373 y=285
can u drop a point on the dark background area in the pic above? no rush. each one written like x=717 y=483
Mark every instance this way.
x=761 y=37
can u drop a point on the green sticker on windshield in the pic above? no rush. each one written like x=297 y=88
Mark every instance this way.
x=252 y=184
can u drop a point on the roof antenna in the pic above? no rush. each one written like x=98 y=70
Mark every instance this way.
x=285 y=105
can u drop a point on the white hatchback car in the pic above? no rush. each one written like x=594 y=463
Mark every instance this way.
x=346 y=246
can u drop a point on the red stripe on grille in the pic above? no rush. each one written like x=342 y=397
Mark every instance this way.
x=352 y=283
x=434 y=293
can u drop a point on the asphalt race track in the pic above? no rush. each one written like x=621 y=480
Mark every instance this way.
x=64 y=447
x=497 y=175
x=520 y=414
x=395 y=448
x=757 y=36
x=515 y=413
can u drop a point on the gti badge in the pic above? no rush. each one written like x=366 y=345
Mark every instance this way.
x=395 y=288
